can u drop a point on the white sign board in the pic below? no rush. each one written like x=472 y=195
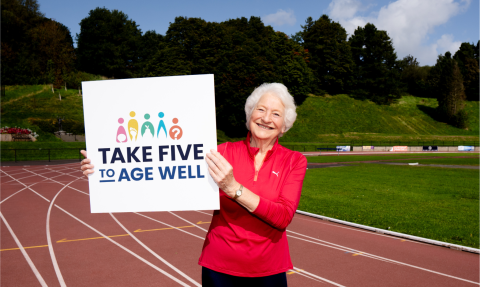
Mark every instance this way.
x=147 y=139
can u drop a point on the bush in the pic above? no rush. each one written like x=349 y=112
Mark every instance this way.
x=460 y=120
x=51 y=125
x=74 y=79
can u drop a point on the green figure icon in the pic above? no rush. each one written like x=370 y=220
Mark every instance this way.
x=147 y=126
x=161 y=125
x=132 y=127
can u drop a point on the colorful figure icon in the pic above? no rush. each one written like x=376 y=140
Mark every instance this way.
x=133 y=127
x=161 y=125
x=121 y=134
x=175 y=132
x=147 y=126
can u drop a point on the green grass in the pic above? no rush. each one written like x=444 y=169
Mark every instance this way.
x=44 y=105
x=435 y=203
x=348 y=158
x=341 y=118
x=15 y=92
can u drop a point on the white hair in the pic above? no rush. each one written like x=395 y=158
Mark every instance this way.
x=281 y=92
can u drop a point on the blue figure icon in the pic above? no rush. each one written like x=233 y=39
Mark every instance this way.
x=161 y=125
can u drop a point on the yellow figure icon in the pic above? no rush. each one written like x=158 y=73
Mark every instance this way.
x=133 y=127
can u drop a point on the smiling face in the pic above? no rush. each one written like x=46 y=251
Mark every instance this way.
x=267 y=121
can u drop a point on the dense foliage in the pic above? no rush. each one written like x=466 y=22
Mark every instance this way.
x=242 y=54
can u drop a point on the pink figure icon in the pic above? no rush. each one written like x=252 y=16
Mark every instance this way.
x=121 y=133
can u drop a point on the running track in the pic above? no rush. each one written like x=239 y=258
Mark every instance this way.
x=50 y=238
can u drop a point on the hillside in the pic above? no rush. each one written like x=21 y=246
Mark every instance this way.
x=342 y=118
x=337 y=118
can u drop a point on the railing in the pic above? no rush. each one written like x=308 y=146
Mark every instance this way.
x=313 y=146
x=74 y=153
x=40 y=154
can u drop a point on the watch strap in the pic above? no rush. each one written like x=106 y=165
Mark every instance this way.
x=236 y=194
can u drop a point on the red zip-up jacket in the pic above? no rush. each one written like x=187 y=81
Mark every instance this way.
x=255 y=244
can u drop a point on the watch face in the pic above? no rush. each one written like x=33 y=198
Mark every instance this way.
x=239 y=193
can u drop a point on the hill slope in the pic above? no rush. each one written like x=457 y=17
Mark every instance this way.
x=322 y=118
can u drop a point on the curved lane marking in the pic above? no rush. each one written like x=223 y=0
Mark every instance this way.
x=170 y=226
x=106 y=237
x=155 y=254
x=27 y=258
x=60 y=182
x=49 y=238
x=365 y=254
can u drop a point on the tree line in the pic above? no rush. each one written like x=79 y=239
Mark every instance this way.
x=242 y=53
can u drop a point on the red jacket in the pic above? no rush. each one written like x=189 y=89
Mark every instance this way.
x=255 y=244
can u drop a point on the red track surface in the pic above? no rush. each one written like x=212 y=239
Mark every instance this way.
x=97 y=250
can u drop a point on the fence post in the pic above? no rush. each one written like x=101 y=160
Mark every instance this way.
x=303 y=148
x=48 y=155
x=15 y=150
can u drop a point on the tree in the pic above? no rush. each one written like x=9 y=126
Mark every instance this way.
x=376 y=72
x=150 y=44
x=108 y=44
x=467 y=59
x=241 y=53
x=330 y=54
x=414 y=76
x=447 y=81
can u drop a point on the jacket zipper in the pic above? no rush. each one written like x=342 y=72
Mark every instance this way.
x=256 y=171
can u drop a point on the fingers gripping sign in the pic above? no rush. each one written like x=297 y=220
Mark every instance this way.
x=221 y=172
x=86 y=167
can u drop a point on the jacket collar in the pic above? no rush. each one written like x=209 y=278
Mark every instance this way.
x=252 y=151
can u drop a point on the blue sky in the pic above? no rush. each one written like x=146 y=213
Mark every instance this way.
x=422 y=28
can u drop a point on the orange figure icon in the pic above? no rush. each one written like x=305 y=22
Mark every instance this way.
x=175 y=132
x=133 y=127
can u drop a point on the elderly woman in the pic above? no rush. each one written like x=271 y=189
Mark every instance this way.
x=260 y=183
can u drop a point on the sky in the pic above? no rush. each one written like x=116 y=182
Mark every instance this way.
x=422 y=28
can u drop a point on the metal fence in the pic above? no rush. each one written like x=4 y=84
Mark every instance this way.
x=40 y=154
x=74 y=153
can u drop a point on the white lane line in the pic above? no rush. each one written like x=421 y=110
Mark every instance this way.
x=61 y=183
x=179 y=229
x=317 y=277
x=334 y=224
x=49 y=239
x=304 y=275
x=203 y=212
x=365 y=254
x=155 y=254
x=26 y=186
x=43 y=181
x=311 y=276
x=121 y=246
x=27 y=258
x=16 y=193
x=126 y=249
x=188 y=221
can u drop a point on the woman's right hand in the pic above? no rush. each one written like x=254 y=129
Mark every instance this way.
x=86 y=167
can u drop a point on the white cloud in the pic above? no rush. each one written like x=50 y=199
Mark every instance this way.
x=408 y=23
x=280 y=18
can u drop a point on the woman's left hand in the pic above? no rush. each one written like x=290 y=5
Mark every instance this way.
x=222 y=173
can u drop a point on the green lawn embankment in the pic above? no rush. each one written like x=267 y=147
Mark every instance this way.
x=341 y=118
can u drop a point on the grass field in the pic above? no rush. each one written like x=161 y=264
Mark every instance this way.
x=447 y=161
x=435 y=203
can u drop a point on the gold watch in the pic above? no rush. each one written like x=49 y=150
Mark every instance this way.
x=238 y=192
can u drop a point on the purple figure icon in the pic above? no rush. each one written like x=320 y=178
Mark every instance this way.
x=121 y=134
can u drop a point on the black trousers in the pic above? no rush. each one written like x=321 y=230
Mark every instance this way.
x=212 y=278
